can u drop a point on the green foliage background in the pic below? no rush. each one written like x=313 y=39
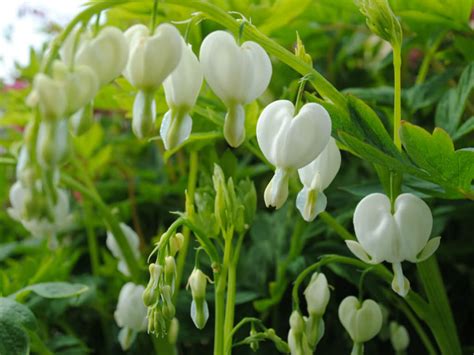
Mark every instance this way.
x=142 y=183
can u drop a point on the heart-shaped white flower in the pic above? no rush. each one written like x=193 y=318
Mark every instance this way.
x=316 y=177
x=182 y=88
x=393 y=235
x=237 y=75
x=50 y=97
x=106 y=54
x=290 y=142
x=361 y=321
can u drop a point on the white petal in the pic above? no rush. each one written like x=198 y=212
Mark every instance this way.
x=175 y=128
x=414 y=220
x=260 y=68
x=429 y=249
x=321 y=172
x=276 y=192
x=271 y=121
x=375 y=228
x=310 y=203
x=182 y=86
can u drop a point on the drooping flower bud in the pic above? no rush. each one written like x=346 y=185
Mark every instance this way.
x=52 y=145
x=399 y=337
x=152 y=58
x=290 y=142
x=317 y=295
x=176 y=243
x=39 y=225
x=393 y=236
x=152 y=291
x=199 y=309
x=49 y=95
x=80 y=85
x=133 y=242
x=316 y=177
x=106 y=54
x=182 y=88
x=130 y=313
x=361 y=321
x=170 y=271
x=173 y=331
x=297 y=340
x=237 y=75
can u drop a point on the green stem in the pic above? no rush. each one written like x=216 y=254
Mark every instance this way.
x=230 y=304
x=442 y=323
x=91 y=240
x=397 y=104
x=132 y=263
x=192 y=179
x=154 y=16
x=425 y=65
x=321 y=84
x=219 y=292
x=336 y=226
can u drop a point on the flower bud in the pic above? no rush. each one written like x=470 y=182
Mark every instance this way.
x=237 y=75
x=168 y=309
x=176 y=243
x=399 y=337
x=49 y=95
x=152 y=292
x=381 y=20
x=144 y=114
x=173 y=331
x=317 y=295
x=170 y=271
x=199 y=313
x=395 y=236
x=182 y=88
x=297 y=322
x=197 y=282
x=290 y=142
x=80 y=85
x=130 y=312
x=52 y=145
x=361 y=321
x=316 y=177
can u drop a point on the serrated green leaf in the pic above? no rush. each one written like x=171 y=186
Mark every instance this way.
x=58 y=289
x=435 y=154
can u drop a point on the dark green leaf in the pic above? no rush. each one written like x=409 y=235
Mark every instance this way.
x=58 y=289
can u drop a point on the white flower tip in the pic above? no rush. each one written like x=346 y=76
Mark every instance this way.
x=175 y=128
x=234 y=126
x=276 y=192
x=310 y=203
x=429 y=249
x=144 y=113
x=400 y=283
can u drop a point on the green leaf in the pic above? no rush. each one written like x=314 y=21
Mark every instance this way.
x=466 y=128
x=10 y=309
x=13 y=338
x=451 y=107
x=14 y=318
x=282 y=12
x=58 y=289
x=435 y=154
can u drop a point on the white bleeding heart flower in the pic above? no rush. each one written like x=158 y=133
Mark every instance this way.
x=182 y=88
x=316 y=177
x=290 y=141
x=52 y=144
x=399 y=337
x=153 y=56
x=133 y=242
x=80 y=85
x=106 y=54
x=362 y=321
x=394 y=235
x=199 y=309
x=50 y=97
x=130 y=314
x=237 y=75
x=39 y=226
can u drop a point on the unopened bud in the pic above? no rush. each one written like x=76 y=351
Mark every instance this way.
x=297 y=322
x=317 y=295
x=151 y=294
x=176 y=243
x=173 y=331
x=399 y=337
x=197 y=282
x=170 y=271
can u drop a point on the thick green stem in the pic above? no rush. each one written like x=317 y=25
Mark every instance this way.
x=230 y=305
x=336 y=226
x=132 y=263
x=91 y=240
x=441 y=319
x=397 y=104
x=358 y=349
